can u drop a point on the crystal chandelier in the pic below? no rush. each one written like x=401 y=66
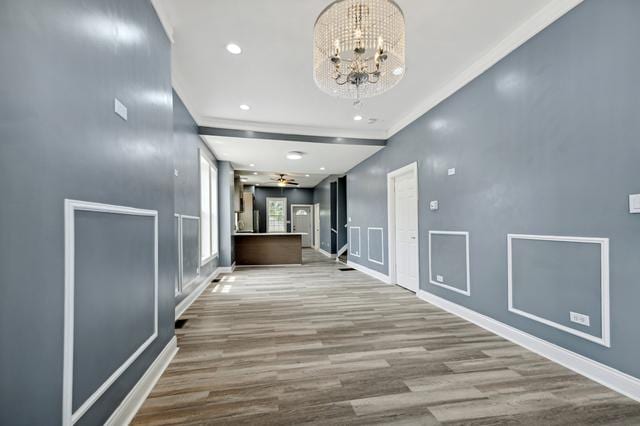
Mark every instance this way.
x=359 y=48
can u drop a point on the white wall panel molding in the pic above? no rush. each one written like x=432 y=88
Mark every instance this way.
x=69 y=416
x=605 y=339
x=379 y=261
x=467 y=290
x=353 y=235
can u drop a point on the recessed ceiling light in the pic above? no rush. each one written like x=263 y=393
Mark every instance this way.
x=245 y=107
x=257 y=184
x=321 y=168
x=306 y=175
x=255 y=173
x=398 y=71
x=234 y=49
x=244 y=179
x=252 y=165
x=294 y=155
x=357 y=118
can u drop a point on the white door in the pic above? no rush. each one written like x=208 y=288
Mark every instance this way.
x=301 y=222
x=406 y=215
x=316 y=226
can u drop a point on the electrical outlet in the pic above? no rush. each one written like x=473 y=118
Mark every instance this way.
x=579 y=318
x=176 y=173
x=440 y=278
x=120 y=109
x=451 y=172
x=433 y=205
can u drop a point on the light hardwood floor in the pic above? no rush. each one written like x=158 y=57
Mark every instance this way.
x=313 y=345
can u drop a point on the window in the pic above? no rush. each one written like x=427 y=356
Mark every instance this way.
x=208 y=210
x=276 y=215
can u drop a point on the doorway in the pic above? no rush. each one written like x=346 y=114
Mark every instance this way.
x=402 y=201
x=302 y=221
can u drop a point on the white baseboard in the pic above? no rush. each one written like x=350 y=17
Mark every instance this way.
x=227 y=269
x=375 y=274
x=191 y=297
x=126 y=411
x=605 y=375
x=326 y=253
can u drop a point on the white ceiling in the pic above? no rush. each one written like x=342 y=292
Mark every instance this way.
x=449 y=42
x=305 y=180
x=269 y=157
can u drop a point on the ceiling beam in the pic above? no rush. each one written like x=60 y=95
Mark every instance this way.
x=249 y=134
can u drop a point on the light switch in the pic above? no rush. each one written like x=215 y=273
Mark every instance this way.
x=440 y=278
x=176 y=173
x=433 y=205
x=451 y=172
x=634 y=203
x=120 y=109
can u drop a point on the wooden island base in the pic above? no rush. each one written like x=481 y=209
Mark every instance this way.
x=268 y=249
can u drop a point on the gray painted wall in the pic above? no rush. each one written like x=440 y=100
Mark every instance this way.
x=62 y=66
x=187 y=148
x=226 y=218
x=545 y=142
x=293 y=196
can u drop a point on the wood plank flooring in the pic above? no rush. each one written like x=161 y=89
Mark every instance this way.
x=314 y=345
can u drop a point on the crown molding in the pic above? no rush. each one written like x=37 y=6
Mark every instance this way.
x=538 y=22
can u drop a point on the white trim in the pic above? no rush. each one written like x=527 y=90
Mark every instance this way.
x=227 y=269
x=267 y=213
x=466 y=292
x=605 y=340
x=183 y=286
x=70 y=207
x=191 y=297
x=538 y=22
x=351 y=252
x=342 y=250
x=598 y=372
x=316 y=226
x=178 y=290
x=326 y=253
x=391 y=217
x=375 y=274
x=128 y=408
x=379 y=262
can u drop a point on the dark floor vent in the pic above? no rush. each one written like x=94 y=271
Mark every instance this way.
x=217 y=280
x=347 y=269
x=180 y=323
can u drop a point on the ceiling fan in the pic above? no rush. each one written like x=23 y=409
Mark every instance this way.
x=284 y=180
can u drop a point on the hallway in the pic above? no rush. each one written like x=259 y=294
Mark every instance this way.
x=313 y=344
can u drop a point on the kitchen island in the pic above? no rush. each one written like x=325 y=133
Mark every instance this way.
x=273 y=248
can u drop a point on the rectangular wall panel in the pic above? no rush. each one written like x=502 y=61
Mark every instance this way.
x=375 y=245
x=111 y=312
x=354 y=241
x=449 y=261
x=190 y=250
x=550 y=277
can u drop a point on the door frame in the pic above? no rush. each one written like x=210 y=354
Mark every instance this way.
x=316 y=226
x=312 y=219
x=391 y=218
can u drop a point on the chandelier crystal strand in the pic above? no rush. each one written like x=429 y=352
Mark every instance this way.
x=357 y=45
